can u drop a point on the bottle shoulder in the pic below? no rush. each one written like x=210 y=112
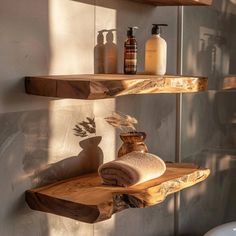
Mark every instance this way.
x=131 y=41
x=156 y=40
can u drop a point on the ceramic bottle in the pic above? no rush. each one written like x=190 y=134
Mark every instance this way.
x=156 y=52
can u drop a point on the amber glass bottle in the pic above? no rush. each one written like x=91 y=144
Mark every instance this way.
x=130 y=52
x=132 y=141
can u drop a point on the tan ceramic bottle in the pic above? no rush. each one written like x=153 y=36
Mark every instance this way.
x=156 y=52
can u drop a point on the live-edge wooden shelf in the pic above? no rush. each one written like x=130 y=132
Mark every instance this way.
x=84 y=198
x=97 y=86
x=176 y=2
x=229 y=83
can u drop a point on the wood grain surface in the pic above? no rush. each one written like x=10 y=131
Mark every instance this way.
x=229 y=82
x=176 y=2
x=111 y=85
x=84 y=198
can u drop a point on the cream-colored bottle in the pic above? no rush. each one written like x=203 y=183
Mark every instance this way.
x=156 y=52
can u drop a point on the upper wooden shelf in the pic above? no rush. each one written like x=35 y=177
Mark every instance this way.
x=97 y=86
x=176 y=2
x=85 y=199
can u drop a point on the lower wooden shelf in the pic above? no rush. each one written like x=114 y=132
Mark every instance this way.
x=84 y=198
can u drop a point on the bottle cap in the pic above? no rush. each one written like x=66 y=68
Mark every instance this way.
x=130 y=32
x=156 y=28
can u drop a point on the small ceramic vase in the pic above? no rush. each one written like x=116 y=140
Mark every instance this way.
x=133 y=141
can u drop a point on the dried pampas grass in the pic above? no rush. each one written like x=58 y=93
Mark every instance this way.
x=121 y=121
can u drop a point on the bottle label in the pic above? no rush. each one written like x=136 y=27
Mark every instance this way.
x=130 y=59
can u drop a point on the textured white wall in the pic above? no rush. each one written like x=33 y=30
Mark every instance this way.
x=209 y=41
x=208 y=131
x=37 y=142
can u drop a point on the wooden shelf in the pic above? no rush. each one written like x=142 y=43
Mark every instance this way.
x=85 y=199
x=176 y=2
x=229 y=83
x=111 y=85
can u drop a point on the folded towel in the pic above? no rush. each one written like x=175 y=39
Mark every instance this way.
x=132 y=168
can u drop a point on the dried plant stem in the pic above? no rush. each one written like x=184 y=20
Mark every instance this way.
x=121 y=121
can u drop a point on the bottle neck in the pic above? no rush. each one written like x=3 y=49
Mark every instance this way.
x=156 y=35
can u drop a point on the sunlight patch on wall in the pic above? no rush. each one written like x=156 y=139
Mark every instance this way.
x=105 y=19
x=71 y=26
x=105 y=227
x=63 y=116
x=224 y=163
x=108 y=144
x=196 y=191
x=170 y=205
x=213 y=56
x=105 y=50
x=71 y=129
x=191 y=63
x=61 y=226
x=191 y=127
x=227 y=7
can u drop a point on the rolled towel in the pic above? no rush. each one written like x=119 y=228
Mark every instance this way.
x=131 y=169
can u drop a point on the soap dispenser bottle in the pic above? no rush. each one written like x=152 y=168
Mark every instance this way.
x=130 y=52
x=156 y=52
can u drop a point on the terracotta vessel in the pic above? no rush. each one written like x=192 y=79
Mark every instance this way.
x=133 y=141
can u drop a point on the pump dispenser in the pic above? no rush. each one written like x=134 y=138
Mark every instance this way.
x=156 y=52
x=130 y=52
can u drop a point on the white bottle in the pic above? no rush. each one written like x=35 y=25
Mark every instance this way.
x=156 y=52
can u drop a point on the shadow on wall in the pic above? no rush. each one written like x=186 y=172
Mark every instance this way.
x=25 y=49
x=210 y=121
x=209 y=139
x=156 y=117
x=122 y=14
x=23 y=135
x=209 y=41
x=201 y=200
x=87 y=161
x=211 y=55
x=151 y=111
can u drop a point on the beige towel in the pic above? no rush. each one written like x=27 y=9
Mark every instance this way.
x=132 y=168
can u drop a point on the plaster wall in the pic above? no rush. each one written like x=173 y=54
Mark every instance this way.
x=37 y=141
x=38 y=144
x=209 y=131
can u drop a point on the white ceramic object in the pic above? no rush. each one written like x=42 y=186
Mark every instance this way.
x=156 y=52
x=228 y=229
